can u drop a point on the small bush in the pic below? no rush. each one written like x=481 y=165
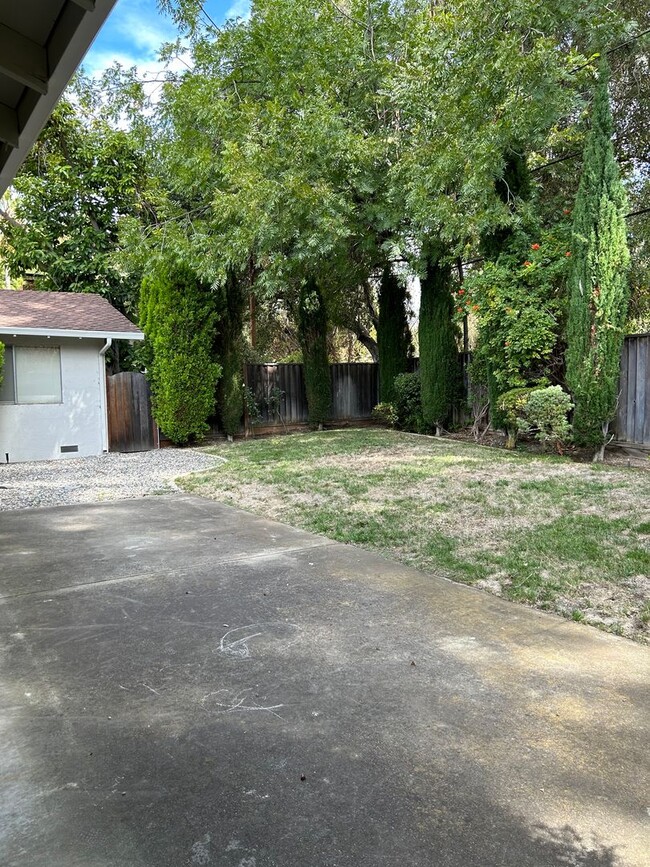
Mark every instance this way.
x=386 y=414
x=546 y=414
x=408 y=402
x=511 y=406
x=540 y=412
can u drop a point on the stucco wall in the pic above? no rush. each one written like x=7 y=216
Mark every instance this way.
x=31 y=432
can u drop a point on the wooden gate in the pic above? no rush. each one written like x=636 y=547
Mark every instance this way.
x=131 y=427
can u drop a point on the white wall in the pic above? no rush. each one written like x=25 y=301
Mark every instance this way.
x=31 y=432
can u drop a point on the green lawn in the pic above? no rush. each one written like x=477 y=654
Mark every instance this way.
x=573 y=538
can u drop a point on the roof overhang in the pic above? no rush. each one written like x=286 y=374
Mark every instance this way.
x=68 y=332
x=42 y=42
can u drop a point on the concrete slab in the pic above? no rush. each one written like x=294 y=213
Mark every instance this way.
x=183 y=683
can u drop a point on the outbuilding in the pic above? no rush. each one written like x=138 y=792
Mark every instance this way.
x=53 y=391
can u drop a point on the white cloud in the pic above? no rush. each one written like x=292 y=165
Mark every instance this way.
x=132 y=36
x=239 y=9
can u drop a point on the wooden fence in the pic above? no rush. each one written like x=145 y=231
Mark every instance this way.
x=633 y=420
x=279 y=392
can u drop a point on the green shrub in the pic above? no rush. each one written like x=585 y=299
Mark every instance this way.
x=251 y=405
x=512 y=407
x=439 y=368
x=546 y=415
x=178 y=318
x=408 y=402
x=385 y=413
x=541 y=412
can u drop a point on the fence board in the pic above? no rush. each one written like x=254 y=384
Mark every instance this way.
x=621 y=413
x=633 y=417
x=131 y=426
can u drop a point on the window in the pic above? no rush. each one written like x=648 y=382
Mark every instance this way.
x=31 y=375
x=7 y=389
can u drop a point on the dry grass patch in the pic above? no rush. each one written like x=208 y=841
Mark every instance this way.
x=568 y=537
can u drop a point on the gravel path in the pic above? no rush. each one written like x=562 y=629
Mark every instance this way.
x=112 y=476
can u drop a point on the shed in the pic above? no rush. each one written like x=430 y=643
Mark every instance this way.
x=53 y=392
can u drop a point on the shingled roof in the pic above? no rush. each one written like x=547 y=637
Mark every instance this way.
x=74 y=314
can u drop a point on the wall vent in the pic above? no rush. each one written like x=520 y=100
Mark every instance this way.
x=67 y=449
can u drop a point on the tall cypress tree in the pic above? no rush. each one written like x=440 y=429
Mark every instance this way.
x=178 y=317
x=598 y=282
x=439 y=367
x=393 y=337
x=229 y=346
x=312 y=335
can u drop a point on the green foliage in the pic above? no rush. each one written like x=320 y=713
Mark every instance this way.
x=546 y=415
x=393 y=336
x=253 y=411
x=439 y=367
x=542 y=412
x=512 y=407
x=386 y=414
x=408 y=402
x=519 y=303
x=598 y=282
x=80 y=179
x=229 y=347
x=178 y=317
x=312 y=333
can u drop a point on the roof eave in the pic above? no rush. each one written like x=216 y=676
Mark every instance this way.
x=69 y=332
x=76 y=46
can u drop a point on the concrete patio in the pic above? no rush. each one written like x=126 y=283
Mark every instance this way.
x=184 y=683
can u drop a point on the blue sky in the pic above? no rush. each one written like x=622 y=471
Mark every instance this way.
x=135 y=29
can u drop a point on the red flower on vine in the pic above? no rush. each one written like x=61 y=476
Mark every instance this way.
x=461 y=291
x=527 y=264
x=568 y=253
x=534 y=246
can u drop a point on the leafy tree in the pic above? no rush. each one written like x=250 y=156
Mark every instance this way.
x=598 y=281
x=312 y=332
x=439 y=368
x=393 y=335
x=178 y=317
x=80 y=179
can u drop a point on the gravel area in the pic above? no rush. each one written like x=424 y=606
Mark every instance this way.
x=112 y=476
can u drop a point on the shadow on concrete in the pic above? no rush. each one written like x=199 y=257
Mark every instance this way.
x=268 y=712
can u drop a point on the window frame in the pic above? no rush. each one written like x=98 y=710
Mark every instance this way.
x=12 y=347
x=9 y=351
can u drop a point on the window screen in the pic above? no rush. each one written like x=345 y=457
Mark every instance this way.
x=7 y=394
x=38 y=374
